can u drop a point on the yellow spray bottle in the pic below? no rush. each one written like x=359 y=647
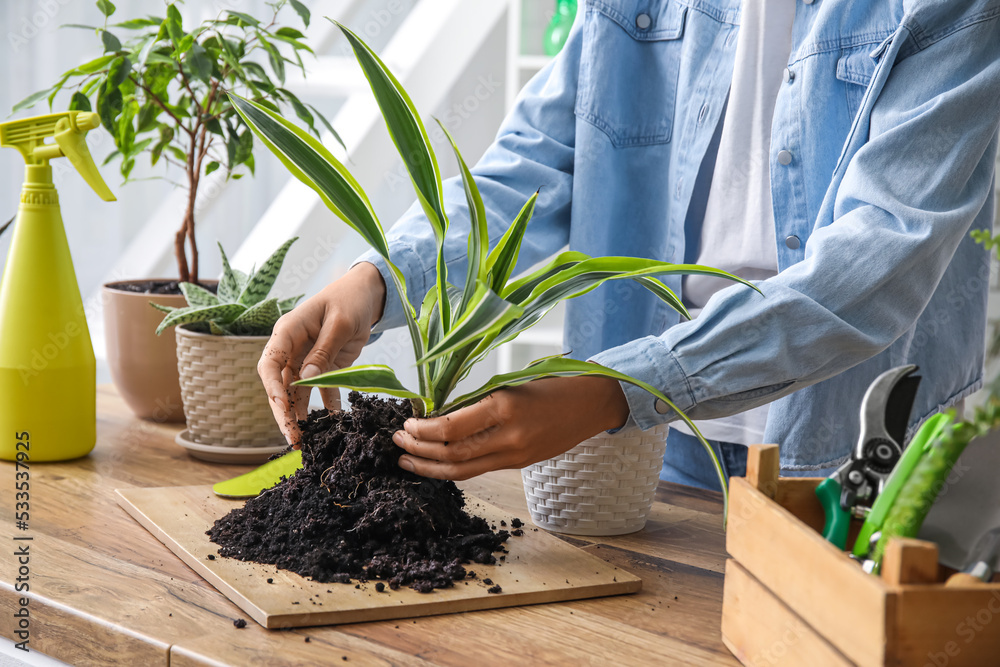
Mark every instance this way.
x=47 y=372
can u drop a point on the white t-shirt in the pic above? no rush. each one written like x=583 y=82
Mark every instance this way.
x=738 y=229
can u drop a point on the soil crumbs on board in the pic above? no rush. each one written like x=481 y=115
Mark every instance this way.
x=352 y=513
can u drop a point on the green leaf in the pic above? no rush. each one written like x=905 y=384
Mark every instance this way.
x=501 y=261
x=109 y=105
x=162 y=308
x=285 y=305
x=273 y=57
x=289 y=32
x=257 y=320
x=245 y=18
x=200 y=63
x=488 y=314
x=407 y=131
x=589 y=274
x=212 y=166
x=229 y=284
x=374 y=378
x=563 y=367
x=517 y=291
x=136 y=24
x=31 y=100
x=118 y=71
x=175 y=24
x=244 y=147
x=217 y=329
x=479 y=239
x=111 y=43
x=224 y=312
x=106 y=7
x=92 y=66
x=300 y=109
x=665 y=293
x=258 y=287
x=198 y=296
x=302 y=11
x=296 y=44
x=329 y=127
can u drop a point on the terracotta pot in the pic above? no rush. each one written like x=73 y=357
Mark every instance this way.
x=143 y=365
x=603 y=486
x=224 y=399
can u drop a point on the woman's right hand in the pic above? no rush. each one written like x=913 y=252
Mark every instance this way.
x=324 y=333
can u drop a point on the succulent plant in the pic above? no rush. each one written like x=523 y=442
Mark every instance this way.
x=455 y=327
x=240 y=307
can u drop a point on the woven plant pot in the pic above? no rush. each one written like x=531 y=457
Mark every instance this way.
x=603 y=486
x=224 y=400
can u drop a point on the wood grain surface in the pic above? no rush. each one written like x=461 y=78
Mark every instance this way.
x=539 y=568
x=104 y=591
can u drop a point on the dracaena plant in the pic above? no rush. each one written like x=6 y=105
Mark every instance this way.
x=159 y=88
x=455 y=327
x=241 y=306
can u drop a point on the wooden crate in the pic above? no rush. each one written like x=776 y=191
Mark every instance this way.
x=792 y=598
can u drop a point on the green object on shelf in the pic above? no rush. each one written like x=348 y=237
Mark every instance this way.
x=559 y=26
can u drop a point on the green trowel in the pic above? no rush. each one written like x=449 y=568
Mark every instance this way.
x=250 y=484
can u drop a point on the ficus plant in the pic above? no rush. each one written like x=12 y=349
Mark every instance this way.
x=161 y=92
x=239 y=307
x=455 y=327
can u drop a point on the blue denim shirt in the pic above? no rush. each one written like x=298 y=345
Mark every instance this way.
x=890 y=112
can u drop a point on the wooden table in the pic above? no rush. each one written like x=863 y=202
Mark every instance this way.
x=106 y=592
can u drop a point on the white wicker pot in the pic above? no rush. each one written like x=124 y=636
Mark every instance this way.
x=224 y=401
x=603 y=486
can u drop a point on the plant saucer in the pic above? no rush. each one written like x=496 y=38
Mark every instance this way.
x=217 y=454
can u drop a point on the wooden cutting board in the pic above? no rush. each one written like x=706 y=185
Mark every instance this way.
x=539 y=568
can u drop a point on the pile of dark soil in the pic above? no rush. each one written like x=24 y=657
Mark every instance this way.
x=352 y=513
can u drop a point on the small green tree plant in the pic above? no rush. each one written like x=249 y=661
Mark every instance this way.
x=455 y=328
x=162 y=92
x=240 y=307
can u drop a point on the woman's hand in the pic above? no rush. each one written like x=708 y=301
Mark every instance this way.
x=512 y=428
x=325 y=333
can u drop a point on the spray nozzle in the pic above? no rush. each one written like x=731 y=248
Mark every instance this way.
x=69 y=131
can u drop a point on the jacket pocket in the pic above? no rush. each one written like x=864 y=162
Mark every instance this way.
x=629 y=68
x=855 y=68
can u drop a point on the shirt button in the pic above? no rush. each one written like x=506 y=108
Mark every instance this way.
x=793 y=242
x=784 y=158
x=789 y=76
x=661 y=407
x=642 y=21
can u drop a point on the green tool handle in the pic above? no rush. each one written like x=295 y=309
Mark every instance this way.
x=915 y=451
x=838 y=520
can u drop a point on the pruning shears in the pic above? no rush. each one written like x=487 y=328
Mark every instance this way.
x=855 y=487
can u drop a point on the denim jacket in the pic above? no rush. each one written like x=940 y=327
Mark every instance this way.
x=890 y=112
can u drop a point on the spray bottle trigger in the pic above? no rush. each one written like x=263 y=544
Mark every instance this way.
x=71 y=133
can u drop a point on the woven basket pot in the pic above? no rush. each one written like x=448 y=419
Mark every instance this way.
x=603 y=486
x=224 y=400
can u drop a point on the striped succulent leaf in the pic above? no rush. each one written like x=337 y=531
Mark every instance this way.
x=198 y=296
x=224 y=313
x=160 y=307
x=229 y=283
x=260 y=283
x=285 y=305
x=258 y=320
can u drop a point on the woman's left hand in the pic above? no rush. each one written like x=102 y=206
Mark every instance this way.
x=513 y=427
